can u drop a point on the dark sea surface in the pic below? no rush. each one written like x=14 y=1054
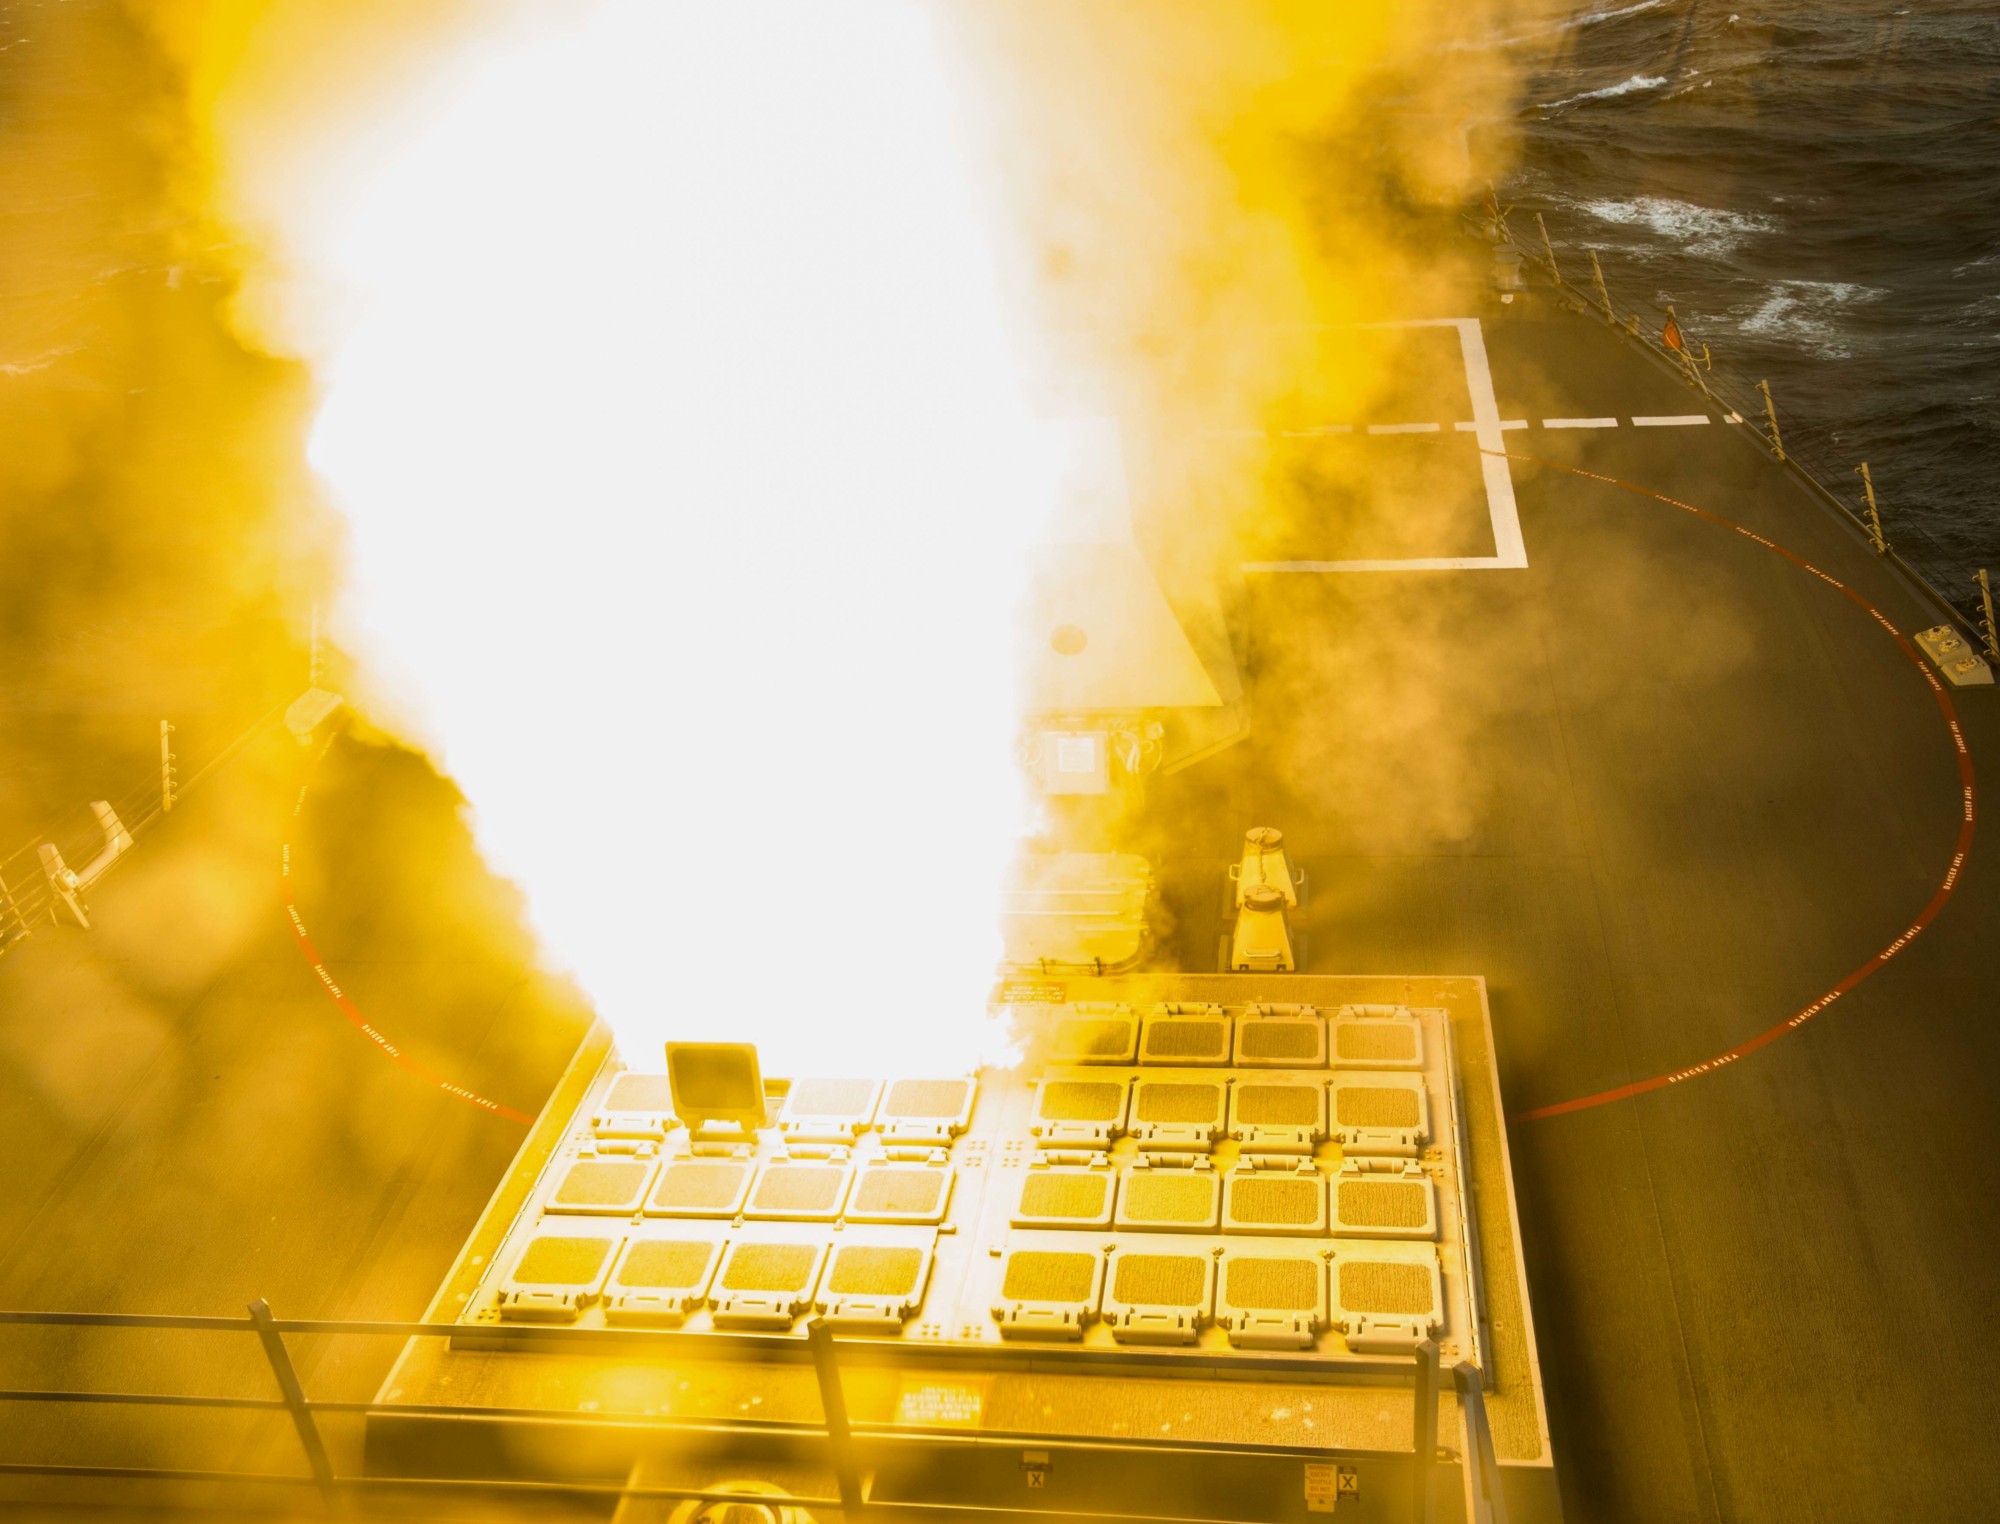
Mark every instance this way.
x=1816 y=189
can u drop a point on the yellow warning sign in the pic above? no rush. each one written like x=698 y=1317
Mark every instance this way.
x=1322 y=1486
x=1327 y=1483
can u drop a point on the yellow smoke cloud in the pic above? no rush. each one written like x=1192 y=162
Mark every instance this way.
x=681 y=374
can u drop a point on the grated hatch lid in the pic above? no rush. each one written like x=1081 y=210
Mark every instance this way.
x=663 y=1275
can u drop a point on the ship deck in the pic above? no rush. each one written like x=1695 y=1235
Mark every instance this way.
x=1662 y=787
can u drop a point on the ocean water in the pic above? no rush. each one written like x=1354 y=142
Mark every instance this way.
x=1815 y=187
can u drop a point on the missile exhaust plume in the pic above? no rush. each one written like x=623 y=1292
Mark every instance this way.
x=690 y=379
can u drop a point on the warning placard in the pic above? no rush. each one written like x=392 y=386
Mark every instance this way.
x=1327 y=1483
x=1030 y=992
x=1322 y=1486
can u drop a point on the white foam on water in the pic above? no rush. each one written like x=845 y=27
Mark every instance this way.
x=1574 y=23
x=1698 y=229
x=1594 y=17
x=1803 y=311
x=1636 y=82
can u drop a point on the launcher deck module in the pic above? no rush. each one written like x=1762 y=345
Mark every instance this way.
x=1196 y=1257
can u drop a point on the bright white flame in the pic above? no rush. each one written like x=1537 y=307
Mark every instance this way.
x=682 y=434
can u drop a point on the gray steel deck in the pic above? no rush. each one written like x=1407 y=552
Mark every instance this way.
x=1661 y=788
x=1664 y=789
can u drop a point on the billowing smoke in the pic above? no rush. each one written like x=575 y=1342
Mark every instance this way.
x=684 y=374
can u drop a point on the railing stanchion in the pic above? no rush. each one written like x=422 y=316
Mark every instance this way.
x=1771 y=412
x=1603 y=294
x=1424 y=1436
x=1549 y=250
x=833 y=1402
x=1875 y=536
x=1483 y=1501
x=295 y=1398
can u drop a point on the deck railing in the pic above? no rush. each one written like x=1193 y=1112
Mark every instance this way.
x=1801 y=453
x=835 y=1431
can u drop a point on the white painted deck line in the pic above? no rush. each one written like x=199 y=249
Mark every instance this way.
x=1415 y=563
x=1510 y=550
x=1505 y=423
x=1402 y=428
x=1579 y=423
x=1316 y=433
x=1671 y=421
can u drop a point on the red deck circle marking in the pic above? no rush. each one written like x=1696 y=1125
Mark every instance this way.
x=1963 y=847
x=348 y=1008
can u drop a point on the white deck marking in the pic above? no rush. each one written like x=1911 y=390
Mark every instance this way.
x=1315 y=433
x=1579 y=423
x=1505 y=423
x=1402 y=428
x=1510 y=551
x=1670 y=421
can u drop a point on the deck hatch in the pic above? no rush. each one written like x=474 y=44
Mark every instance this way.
x=765 y=1282
x=1170 y=1200
x=1095 y=1034
x=1380 y=1114
x=1193 y=1036
x=1370 y=1204
x=635 y=1106
x=614 y=1187
x=1065 y=1198
x=1178 y=1114
x=659 y=1281
x=1079 y=1113
x=917 y=1193
x=1274 y=1116
x=792 y=1191
x=1386 y=1296
x=556 y=1277
x=1295 y=1040
x=1377 y=1037
x=700 y=1188
x=1048 y=1293
x=829 y=1110
x=1158 y=1296
x=1271 y=1202
x=1271 y=1296
x=926 y=1110
x=876 y=1283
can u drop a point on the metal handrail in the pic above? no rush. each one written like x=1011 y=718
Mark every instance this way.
x=1723 y=387
x=836 y=1428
